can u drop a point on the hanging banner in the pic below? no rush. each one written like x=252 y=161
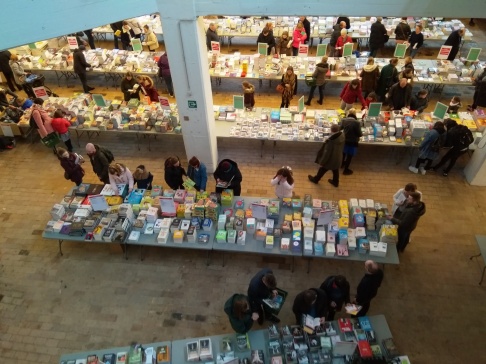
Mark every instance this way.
x=72 y=41
x=444 y=52
x=216 y=47
x=303 y=50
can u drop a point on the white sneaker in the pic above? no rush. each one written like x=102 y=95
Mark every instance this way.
x=422 y=170
x=413 y=169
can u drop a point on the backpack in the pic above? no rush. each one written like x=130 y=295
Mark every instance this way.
x=464 y=137
x=108 y=154
x=436 y=145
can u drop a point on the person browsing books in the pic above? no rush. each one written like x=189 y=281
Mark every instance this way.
x=71 y=163
x=337 y=291
x=283 y=182
x=262 y=286
x=400 y=199
x=238 y=310
x=228 y=176
x=197 y=172
x=143 y=178
x=368 y=286
x=174 y=173
x=120 y=174
x=312 y=302
x=100 y=159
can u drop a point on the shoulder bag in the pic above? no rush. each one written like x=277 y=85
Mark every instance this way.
x=280 y=88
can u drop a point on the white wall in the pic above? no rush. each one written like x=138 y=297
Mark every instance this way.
x=27 y=21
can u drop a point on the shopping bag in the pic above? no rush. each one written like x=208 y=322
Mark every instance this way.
x=280 y=88
x=51 y=140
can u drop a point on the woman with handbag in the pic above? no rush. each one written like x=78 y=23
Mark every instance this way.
x=429 y=149
x=71 y=163
x=288 y=86
x=40 y=120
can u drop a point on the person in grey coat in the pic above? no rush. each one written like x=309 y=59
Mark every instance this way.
x=330 y=157
x=320 y=81
x=211 y=35
x=429 y=148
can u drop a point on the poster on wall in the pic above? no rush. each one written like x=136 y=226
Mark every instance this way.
x=303 y=50
x=40 y=92
x=215 y=47
x=72 y=42
x=444 y=52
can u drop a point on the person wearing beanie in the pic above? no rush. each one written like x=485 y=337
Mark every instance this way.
x=228 y=176
x=143 y=178
x=80 y=65
x=100 y=159
x=196 y=171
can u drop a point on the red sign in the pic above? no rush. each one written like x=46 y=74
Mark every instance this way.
x=303 y=50
x=73 y=42
x=444 y=52
x=215 y=47
x=40 y=92
x=164 y=102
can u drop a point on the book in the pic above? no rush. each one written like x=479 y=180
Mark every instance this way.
x=352 y=309
x=242 y=342
x=309 y=323
x=257 y=357
x=192 y=349
x=92 y=359
x=109 y=359
x=365 y=349
x=390 y=348
x=345 y=325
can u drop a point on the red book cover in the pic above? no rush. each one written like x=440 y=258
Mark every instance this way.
x=365 y=349
x=345 y=325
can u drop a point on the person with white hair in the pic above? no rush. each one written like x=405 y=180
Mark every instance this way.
x=368 y=286
x=211 y=35
x=341 y=41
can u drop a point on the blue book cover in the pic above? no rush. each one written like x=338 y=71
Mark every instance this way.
x=365 y=323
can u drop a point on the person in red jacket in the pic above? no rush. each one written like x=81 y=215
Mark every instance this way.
x=349 y=94
x=61 y=125
x=342 y=40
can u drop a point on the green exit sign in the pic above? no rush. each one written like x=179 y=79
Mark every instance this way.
x=192 y=104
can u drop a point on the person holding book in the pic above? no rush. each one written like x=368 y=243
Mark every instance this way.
x=429 y=148
x=454 y=40
x=238 y=310
x=266 y=36
x=148 y=87
x=337 y=291
x=151 y=40
x=312 y=302
x=420 y=101
x=71 y=163
x=130 y=87
x=197 y=172
x=174 y=173
x=402 y=31
x=228 y=176
x=120 y=174
x=454 y=105
x=60 y=125
x=341 y=41
x=368 y=286
x=143 y=178
x=211 y=35
x=284 y=44
x=100 y=159
x=350 y=93
x=262 y=286
x=400 y=198
x=283 y=182
x=407 y=222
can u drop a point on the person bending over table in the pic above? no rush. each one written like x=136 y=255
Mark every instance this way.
x=228 y=176
x=262 y=286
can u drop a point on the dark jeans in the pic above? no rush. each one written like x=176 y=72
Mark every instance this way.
x=322 y=171
x=403 y=239
x=373 y=52
x=330 y=314
x=28 y=90
x=84 y=82
x=428 y=165
x=168 y=82
x=452 y=155
x=321 y=92
x=89 y=35
x=346 y=161
x=364 y=309
x=284 y=103
x=9 y=77
x=69 y=145
x=115 y=41
x=295 y=51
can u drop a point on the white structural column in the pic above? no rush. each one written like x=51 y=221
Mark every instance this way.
x=475 y=170
x=185 y=42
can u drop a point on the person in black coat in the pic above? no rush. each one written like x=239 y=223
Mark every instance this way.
x=7 y=71
x=80 y=65
x=368 y=286
x=227 y=171
x=117 y=26
x=336 y=32
x=174 y=172
x=344 y=19
x=352 y=132
x=126 y=36
x=262 y=286
x=407 y=222
x=400 y=95
x=130 y=87
x=337 y=291
x=306 y=24
x=266 y=36
x=378 y=36
x=211 y=35
x=89 y=35
x=479 y=97
x=454 y=40
x=312 y=302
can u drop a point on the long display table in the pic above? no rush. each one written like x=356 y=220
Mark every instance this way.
x=257 y=339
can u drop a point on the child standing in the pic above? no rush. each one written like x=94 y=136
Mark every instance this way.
x=454 y=105
x=61 y=125
x=249 y=95
x=283 y=182
x=143 y=178
x=370 y=98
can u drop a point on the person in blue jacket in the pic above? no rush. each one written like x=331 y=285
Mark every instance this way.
x=197 y=172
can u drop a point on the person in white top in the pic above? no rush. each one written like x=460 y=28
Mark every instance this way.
x=400 y=199
x=120 y=174
x=283 y=182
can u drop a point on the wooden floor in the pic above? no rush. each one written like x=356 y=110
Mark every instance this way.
x=91 y=298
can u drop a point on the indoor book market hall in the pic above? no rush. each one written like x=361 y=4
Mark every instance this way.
x=238 y=182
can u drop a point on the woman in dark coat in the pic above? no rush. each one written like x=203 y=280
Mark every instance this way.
x=174 y=172
x=228 y=172
x=479 y=97
x=378 y=35
x=352 y=132
x=289 y=82
x=454 y=40
x=130 y=91
x=312 y=302
x=320 y=77
x=369 y=77
x=238 y=310
x=164 y=72
x=72 y=165
x=388 y=77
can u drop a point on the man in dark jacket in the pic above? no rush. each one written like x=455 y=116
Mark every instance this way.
x=454 y=39
x=352 y=132
x=334 y=37
x=211 y=35
x=368 y=286
x=344 y=19
x=266 y=36
x=420 y=101
x=378 y=36
x=228 y=174
x=164 y=72
x=337 y=291
x=100 y=160
x=117 y=26
x=7 y=71
x=238 y=310
x=400 y=95
x=330 y=157
x=319 y=76
x=312 y=302
x=408 y=220
x=80 y=65
x=306 y=24
x=262 y=286
x=479 y=97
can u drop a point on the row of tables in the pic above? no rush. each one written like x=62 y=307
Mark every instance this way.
x=258 y=341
